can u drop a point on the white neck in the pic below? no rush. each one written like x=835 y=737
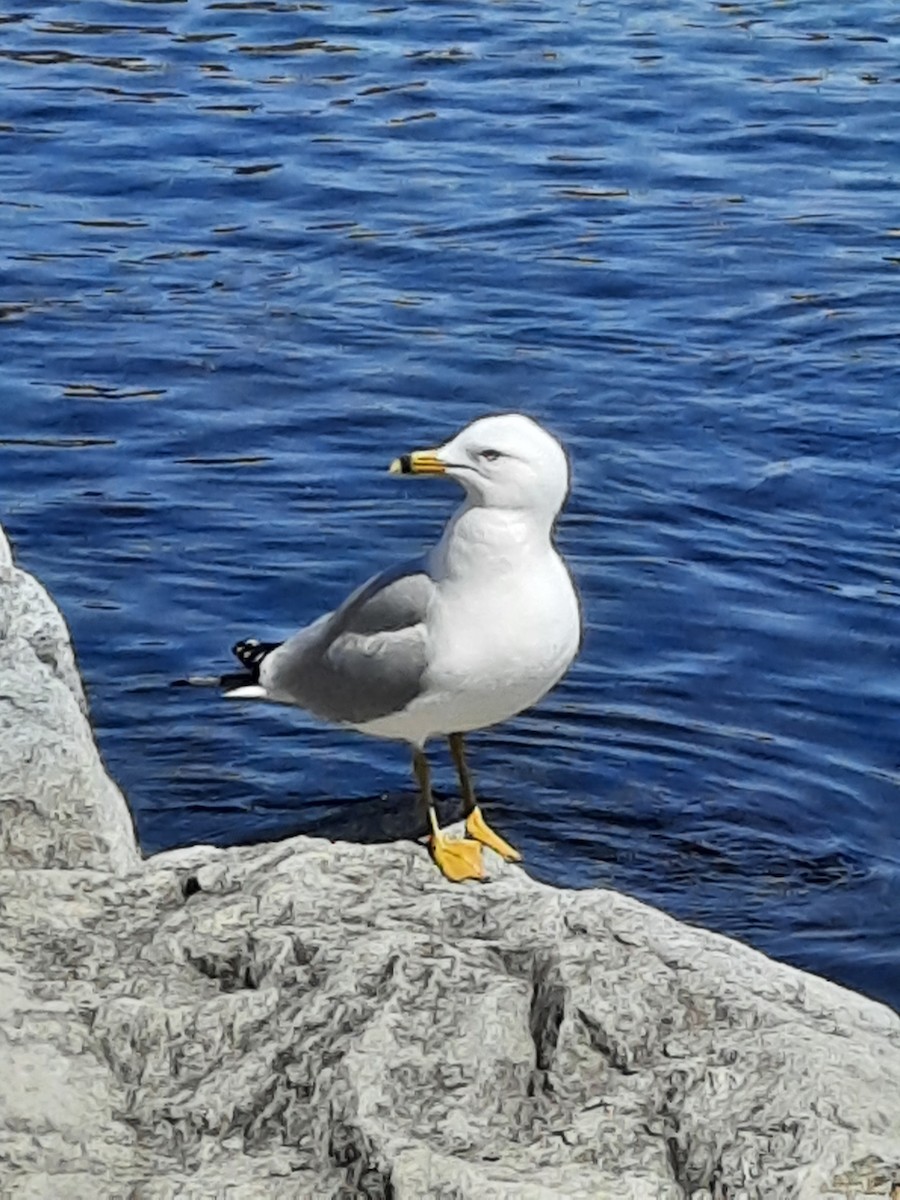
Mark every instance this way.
x=500 y=539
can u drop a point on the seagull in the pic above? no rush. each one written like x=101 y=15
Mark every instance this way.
x=471 y=633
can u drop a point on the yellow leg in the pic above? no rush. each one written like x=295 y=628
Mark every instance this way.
x=458 y=859
x=476 y=826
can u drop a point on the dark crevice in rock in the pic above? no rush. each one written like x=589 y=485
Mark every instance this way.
x=719 y=1190
x=190 y=886
x=615 y=1054
x=48 y=656
x=279 y=1111
x=234 y=972
x=548 y=1008
x=677 y=1159
x=372 y=1185
x=693 y=1156
x=343 y=1144
x=379 y=984
x=303 y=952
x=351 y=1151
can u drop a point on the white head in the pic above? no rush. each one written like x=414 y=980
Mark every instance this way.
x=505 y=461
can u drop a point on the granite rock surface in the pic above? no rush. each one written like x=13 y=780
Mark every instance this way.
x=58 y=806
x=318 y=1019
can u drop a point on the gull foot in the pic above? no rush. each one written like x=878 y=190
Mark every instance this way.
x=478 y=828
x=457 y=859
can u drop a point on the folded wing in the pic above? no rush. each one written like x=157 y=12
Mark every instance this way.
x=364 y=661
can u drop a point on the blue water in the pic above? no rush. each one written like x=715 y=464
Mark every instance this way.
x=253 y=250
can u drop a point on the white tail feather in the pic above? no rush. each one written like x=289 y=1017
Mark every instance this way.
x=250 y=691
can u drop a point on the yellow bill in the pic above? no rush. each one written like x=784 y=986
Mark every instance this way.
x=419 y=462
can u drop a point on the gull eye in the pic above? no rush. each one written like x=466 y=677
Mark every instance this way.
x=490 y=455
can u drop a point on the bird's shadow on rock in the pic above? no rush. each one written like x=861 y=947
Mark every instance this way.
x=368 y=820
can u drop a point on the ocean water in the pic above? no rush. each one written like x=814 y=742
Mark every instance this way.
x=253 y=249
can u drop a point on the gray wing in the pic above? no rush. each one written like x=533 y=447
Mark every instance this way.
x=364 y=661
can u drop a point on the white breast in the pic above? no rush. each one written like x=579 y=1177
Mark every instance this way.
x=520 y=627
x=495 y=648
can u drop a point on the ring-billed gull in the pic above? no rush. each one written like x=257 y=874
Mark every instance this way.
x=473 y=632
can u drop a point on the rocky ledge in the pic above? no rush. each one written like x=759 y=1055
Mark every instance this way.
x=317 y=1019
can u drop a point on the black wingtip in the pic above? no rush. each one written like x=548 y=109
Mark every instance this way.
x=250 y=653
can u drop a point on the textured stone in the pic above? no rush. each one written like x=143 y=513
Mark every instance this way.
x=58 y=807
x=311 y=1019
x=342 y=1016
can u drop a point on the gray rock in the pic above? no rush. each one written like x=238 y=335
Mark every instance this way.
x=58 y=806
x=312 y=1019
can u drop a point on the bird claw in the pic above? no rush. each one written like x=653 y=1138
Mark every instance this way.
x=478 y=829
x=458 y=859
